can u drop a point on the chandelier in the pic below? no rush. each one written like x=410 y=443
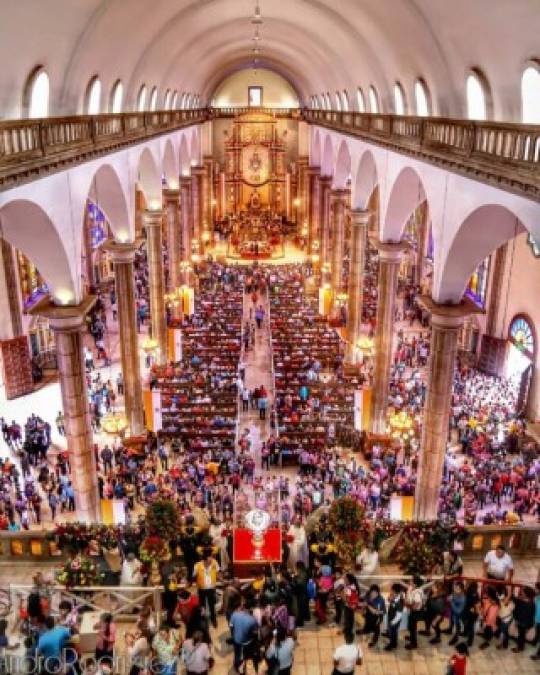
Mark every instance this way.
x=149 y=345
x=401 y=426
x=114 y=424
x=366 y=345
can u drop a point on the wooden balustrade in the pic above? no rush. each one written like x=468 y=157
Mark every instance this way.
x=520 y=541
x=29 y=148
x=505 y=155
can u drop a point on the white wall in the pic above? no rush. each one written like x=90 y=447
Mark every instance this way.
x=233 y=91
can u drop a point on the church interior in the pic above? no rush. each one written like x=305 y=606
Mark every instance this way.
x=269 y=360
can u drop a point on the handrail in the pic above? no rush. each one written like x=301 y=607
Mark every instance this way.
x=499 y=153
x=30 y=148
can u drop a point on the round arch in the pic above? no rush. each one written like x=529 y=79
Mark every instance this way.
x=406 y=194
x=170 y=165
x=21 y=220
x=315 y=149
x=365 y=181
x=483 y=230
x=522 y=334
x=184 y=156
x=149 y=179
x=195 y=148
x=342 y=170
x=106 y=191
x=327 y=164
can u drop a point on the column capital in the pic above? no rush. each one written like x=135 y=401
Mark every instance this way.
x=171 y=194
x=152 y=218
x=67 y=318
x=314 y=170
x=448 y=316
x=389 y=251
x=198 y=170
x=340 y=194
x=360 y=216
x=185 y=182
x=122 y=252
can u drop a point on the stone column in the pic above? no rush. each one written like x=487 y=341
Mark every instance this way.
x=325 y=183
x=68 y=324
x=389 y=261
x=208 y=191
x=10 y=305
x=302 y=213
x=359 y=226
x=314 y=209
x=154 y=254
x=338 y=242
x=172 y=206
x=446 y=322
x=185 y=249
x=197 y=173
x=123 y=256
x=498 y=260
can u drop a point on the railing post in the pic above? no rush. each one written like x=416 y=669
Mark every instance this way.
x=157 y=604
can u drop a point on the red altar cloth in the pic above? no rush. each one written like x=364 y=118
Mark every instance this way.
x=243 y=549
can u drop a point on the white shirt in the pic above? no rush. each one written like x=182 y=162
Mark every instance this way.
x=498 y=567
x=346 y=657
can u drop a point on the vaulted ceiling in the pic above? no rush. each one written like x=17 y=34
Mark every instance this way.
x=318 y=45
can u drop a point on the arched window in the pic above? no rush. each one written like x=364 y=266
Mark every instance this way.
x=521 y=335
x=141 y=99
x=36 y=94
x=338 y=101
x=345 y=100
x=117 y=97
x=530 y=94
x=373 y=100
x=174 y=100
x=399 y=99
x=360 y=100
x=167 y=100
x=93 y=96
x=187 y=102
x=476 y=96
x=323 y=99
x=421 y=94
x=153 y=99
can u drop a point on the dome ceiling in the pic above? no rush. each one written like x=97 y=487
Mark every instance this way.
x=318 y=45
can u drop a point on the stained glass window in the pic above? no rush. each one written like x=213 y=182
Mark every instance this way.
x=98 y=227
x=522 y=336
x=477 y=287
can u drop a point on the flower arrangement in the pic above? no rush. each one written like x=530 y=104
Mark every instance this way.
x=154 y=549
x=346 y=519
x=163 y=519
x=79 y=571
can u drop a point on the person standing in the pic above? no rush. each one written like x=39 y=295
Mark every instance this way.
x=243 y=629
x=394 y=614
x=524 y=615
x=205 y=574
x=498 y=564
x=281 y=651
x=347 y=656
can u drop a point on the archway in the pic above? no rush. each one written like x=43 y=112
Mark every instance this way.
x=484 y=230
x=149 y=179
x=106 y=191
x=184 y=157
x=406 y=194
x=315 y=149
x=27 y=227
x=342 y=170
x=365 y=181
x=170 y=165
x=327 y=164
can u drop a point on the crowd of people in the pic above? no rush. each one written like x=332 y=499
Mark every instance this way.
x=202 y=459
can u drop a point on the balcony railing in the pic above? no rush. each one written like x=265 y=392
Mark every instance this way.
x=505 y=155
x=29 y=148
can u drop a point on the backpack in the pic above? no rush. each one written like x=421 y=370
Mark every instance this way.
x=311 y=589
x=351 y=597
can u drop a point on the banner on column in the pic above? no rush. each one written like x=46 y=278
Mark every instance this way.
x=188 y=300
x=152 y=409
x=325 y=300
x=113 y=512
x=174 y=344
x=362 y=409
x=401 y=508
